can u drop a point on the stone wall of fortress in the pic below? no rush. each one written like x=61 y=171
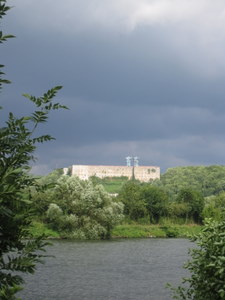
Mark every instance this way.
x=142 y=173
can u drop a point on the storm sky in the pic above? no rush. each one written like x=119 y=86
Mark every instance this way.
x=143 y=78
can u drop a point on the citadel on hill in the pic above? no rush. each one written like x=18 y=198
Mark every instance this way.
x=142 y=173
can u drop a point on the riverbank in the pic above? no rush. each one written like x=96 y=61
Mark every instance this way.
x=156 y=231
x=129 y=231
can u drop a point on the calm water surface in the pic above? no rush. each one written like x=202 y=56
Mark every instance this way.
x=109 y=270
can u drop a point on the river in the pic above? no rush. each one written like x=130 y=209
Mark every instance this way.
x=123 y=269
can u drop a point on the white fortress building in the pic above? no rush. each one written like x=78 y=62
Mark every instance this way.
x=142 y=173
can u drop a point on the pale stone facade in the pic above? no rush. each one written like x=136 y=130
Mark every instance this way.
x=142 y=173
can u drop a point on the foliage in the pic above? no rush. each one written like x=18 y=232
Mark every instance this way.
x=18 y=249
x=194 y=203
x=142 y=200
x=41 y=193
x=152 y=200
x=220 y=201
x=81 y=210
x=137 y=231
x=208 y=180
x=178 y=210
x=156 y=201
x=207 y=266
x=38 y=228
x=51 y=178
x=170 y=231
x=134 y=206
x=16 y=150
x=215 y=207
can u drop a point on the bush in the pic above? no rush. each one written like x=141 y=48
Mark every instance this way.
x=207 y=266
x=171 y=232
x=81 y=210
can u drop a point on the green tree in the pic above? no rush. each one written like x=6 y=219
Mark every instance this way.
x=156 y=201
x=215 y=207
x=18 y=250
x=177 y=210
x=207 y=266
x=41 y=193
x=220 y=201
x=194 y=201
x=134 y=206
x=209 y=180
x=81 y=210
x=16 y=151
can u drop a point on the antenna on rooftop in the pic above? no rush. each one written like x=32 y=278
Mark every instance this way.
x=136 y=161
x=128 y=159
x=132 y=161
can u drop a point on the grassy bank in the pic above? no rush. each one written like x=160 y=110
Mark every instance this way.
x=38 y=228
x=112 y=185
x=146 y=231
x=130 y=231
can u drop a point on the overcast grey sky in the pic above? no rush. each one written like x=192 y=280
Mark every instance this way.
x=141 y=77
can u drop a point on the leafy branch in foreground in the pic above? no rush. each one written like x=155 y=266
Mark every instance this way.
x=18 y=250
x=207 y=266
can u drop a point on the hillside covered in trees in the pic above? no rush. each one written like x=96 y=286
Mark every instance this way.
x=209 y=180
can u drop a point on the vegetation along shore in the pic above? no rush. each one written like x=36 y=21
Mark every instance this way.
x=174 y=206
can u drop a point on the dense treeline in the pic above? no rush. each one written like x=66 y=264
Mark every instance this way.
x=183 y=194
x=152 y=203
x=85 y=209
x=208 y=180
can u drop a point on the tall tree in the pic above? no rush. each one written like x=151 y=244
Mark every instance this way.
x=134 y=206
x=82 y=210
x=156 y=201
x=194 y=201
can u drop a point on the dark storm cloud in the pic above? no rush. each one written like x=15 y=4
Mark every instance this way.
x=98 y=69
x=140 y=77
x=97 y=121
